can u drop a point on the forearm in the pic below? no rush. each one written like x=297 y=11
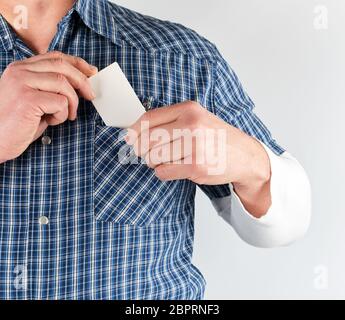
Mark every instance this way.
x=253 y=183
x=288 y=217
x=256 y=199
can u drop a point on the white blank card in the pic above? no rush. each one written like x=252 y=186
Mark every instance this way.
x=116 y=101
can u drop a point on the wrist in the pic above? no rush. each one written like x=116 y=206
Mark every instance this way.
x=255 y=168
x=254 y=186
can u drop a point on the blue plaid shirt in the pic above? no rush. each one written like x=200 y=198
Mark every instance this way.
x=112 y=231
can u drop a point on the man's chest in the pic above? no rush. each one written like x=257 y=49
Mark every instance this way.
x=86 y=165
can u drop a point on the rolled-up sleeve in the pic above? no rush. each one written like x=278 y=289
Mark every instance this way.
x=289 y=216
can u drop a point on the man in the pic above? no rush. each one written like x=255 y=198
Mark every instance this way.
x=76 y=223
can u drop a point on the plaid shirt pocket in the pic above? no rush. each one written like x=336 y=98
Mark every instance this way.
x=126 y=191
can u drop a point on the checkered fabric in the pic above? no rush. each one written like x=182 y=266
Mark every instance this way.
x=112 y=231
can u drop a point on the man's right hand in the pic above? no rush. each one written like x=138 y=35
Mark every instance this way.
x=39 y=92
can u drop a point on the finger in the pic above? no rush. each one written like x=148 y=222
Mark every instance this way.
x=151 y=138
x=158 y=136
x=54 y=107
x=174 y=152
x=55 y=83
x=174 y=171
x=79 y=63
x=159 y=117
x=77 y=79
x=41 y=128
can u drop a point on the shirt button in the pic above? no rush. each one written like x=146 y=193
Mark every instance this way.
x=43 y=220
x=148 y=103
x=46 y=140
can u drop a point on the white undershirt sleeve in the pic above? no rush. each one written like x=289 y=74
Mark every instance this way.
x=288 y=218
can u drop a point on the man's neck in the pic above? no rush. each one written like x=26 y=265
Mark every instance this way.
x=35 y=21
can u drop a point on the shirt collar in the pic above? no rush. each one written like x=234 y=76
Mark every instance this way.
x=6 y=34
x=98 y=16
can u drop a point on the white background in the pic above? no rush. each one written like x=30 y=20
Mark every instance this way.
x=295 y=74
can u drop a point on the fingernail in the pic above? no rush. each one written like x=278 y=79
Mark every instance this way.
x=95 y=69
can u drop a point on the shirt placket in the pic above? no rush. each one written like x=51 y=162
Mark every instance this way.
x=39 y=217
x=41 y=225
